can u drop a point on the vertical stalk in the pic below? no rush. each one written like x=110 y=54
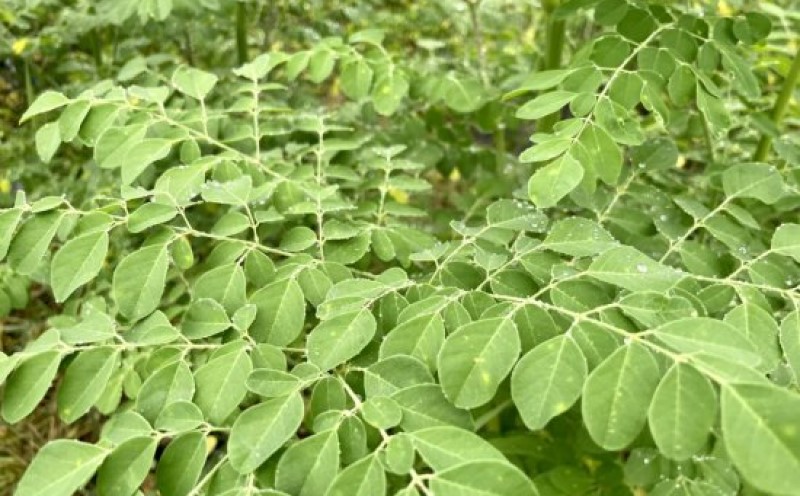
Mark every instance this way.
x=241 y=32
x=708 y=139
x=29 y=93
x=188 y=49
x=480 y=47
x=780 y=107
x=97 y=52
x=556 y=30
x=500 y=147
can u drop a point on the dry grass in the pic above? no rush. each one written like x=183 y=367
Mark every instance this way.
x=20 y=442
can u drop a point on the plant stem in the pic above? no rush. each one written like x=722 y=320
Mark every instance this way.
x=188 y=50
x=478 y=31
x=241 y=32
x=500 y=147
x=556 y=30
x=708 y=139
x=780 y=107
x=97 y=52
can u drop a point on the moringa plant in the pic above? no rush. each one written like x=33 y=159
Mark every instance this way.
x=325 y=272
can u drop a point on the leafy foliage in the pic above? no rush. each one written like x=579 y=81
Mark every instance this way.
x=309 y=275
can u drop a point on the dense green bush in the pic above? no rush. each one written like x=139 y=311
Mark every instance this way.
x=338 y=265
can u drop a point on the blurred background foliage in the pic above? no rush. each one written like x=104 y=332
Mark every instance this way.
x=487 y=46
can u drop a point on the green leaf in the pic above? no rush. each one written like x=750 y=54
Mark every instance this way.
x=759 y=181
x=139 y=280
x=741 y=73
x=713 y=109
x=9 y=220
x=356 y=78
x=761 y=431
x=758 y=326
x=48 y=138
x=790 y=341
x=172 y=382
x=70 y=120
x=447 y=446
x=578 y=237
x=546 y=150
x=7 y=364
x=381 y=412
x=123 y=426
x=399 y=455
x=513 y=215
x=363 y=478
x=116 y=144
x=391 y=86
x=540 y=80
x=655 y=154
x=32 y=242
x=28 y=384
x=554 y=181
x=153 y=330
x=604 y=152
x=262 y=429
x=708 y=336
x=631 y=269
x=273 y=383
x=463 y=94
x=682 y=413
x=425 y=405
x=315 y=284
x=193 y=82
x=545 y=104
x=234 y=192
x=205 y=318
x=149 y=215
x=226 y=284
x=652 y=308
x=281 y=313
x=61 y=468
x=142 y=154
x=681 y=86
x=298 y=239
x=352 y=437
x=786 y=241
x=179 y=416
x=475 y=359
x=126 y=468
x=339 y=339
x=626 y=90
x=180 y=466
x=100 y=118
x=321 y=63
x=421 y=337
x=84 y=381
x=220 y=385
x=616 y=396
x=77 y=262
x=482 y=478
x=387 y=376
x=308 y=467
x=47 y=101
x=548 y=380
